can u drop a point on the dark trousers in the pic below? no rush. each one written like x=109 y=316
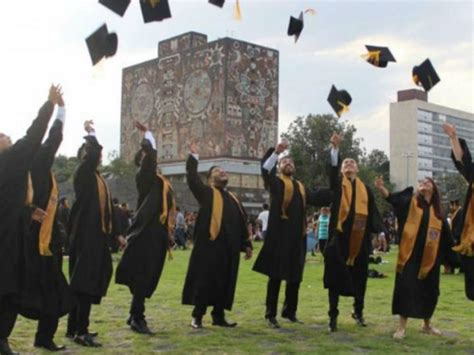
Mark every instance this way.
x=8 y=315
x=78 y=320
x=180 y=237
x=137 y=308
x=291 y=298
x=199 y=311
x=468 y=267
x=46 y=329
x=334 y=302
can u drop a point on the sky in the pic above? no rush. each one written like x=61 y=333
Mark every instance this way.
x=43 y=42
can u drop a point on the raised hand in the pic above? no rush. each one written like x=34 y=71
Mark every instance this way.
x=378 y=183
x=336 y=140
x=140 y=126
x=54 y=94
x=60 y=99
x=281 y=146
x=193 y=148
x=450 y=130
x=89 y=126
x=38 y=215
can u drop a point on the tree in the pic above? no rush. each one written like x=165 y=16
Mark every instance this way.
x=118 y=167
x=451 y=186
x=64 y=167
x=309 y=145
x=378 y=161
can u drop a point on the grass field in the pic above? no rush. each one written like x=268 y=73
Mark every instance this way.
x=454 y=316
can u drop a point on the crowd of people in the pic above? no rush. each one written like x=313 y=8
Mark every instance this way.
x=35 y=227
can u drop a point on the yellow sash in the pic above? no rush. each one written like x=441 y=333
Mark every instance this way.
x=29 y=191
x=409 y=235
x=104 y=203
x=360 y=216
x=168 y=213
x=288 y=194
x=46 y=229
x=217 y=210
x=466 y=245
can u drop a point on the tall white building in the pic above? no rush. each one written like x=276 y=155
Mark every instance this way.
x=418 y=145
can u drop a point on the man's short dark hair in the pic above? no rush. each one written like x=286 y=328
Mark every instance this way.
x=265 y=206
x=209 y=172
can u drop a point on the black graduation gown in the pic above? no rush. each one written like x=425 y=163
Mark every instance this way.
x=466 y=168
x=144 y=257
x=412 y=297
x=348 y=280
x=45 y=289
x=283 y=253
x=213 y=267
x=90 y=261
x=14 y=166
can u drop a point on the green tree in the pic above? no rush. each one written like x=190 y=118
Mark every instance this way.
x=64 y=168
x=118 y=167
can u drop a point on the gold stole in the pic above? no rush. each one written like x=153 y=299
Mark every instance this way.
x=360 y=216
x=288 y=194
x=466 y=245
x=167 y=212
x=104 y=202
x=217 y=210
x=409 y=235
x=46 y=229
x=29 y=191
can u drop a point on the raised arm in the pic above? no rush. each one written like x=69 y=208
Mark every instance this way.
x=197 y=187
x=268 y=165
x=148 y=164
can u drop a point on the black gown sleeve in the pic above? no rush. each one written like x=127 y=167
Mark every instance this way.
x=24 y=150
x=319 y=197
x=88 y=166
x=147 y=172
x=333 y=173
x=401 y=202
x=446 y=245
x=375 y=220
x=197 y=187
x=44 y=159
x=466 y=166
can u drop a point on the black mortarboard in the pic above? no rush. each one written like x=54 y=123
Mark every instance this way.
x=101 y=44
x=295 y=26
x=155 y=10
x=219 y=3
x=425 y=75
x=117 y=6
x=379 y=56
x=339 y=100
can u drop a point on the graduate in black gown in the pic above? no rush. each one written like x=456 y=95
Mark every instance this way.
x=425 y=242
x=463 y=161
x=283 y=254
x=17 y=211
x=45 y=295
x=456 y=224
x=90 y=225
x=354 y=218
x=147 y=240
x=220 y=235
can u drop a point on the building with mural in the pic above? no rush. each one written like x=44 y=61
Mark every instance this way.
x=221 y=94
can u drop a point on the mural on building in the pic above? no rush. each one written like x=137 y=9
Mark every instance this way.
x=222 y=94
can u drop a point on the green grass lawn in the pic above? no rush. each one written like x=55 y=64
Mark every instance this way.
x=454 y=316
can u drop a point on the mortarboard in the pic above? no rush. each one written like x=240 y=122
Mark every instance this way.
x=101 y=44
x=117 y=6
x=379 y=56
x=296 y=25
x=219 y=3
x=155 y=10
x=425 y=75
x=339 y=100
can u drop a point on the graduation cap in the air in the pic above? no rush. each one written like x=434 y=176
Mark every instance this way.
x=219 y=3
x=117 y=6
x=296 y=25
x=378 y=56
x=339 y=100
x=155 y=10
x=425 y=75
x=101 y=44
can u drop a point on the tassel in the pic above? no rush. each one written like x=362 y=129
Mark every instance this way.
x=237 y=13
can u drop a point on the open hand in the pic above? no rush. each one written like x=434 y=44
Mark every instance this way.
x=89 y=126
x=54 y=94
x=282 y=146
x=450 y=130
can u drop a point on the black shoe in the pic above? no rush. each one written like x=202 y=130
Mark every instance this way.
x=72 y=335
x=5 y=348
x=359 y=319
x=140 y=326
x=292 y=319
x=272 y=323
x=221 y=322
x=332 y=325
x=87 y=341
x=196 y=323
x=49 y=345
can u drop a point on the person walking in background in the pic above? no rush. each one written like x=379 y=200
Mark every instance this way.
x=180 y=229
x=323 y=228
